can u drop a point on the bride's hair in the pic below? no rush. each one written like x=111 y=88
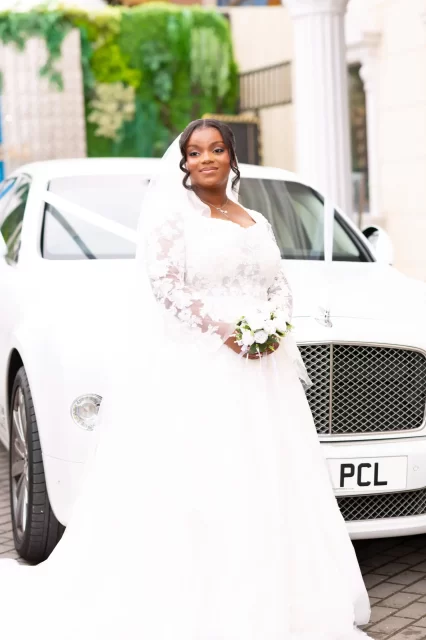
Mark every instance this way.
x=228 y=138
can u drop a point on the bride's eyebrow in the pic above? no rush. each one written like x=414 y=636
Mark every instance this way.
x=213 y=144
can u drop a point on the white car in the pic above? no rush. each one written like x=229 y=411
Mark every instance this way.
x=359 y=322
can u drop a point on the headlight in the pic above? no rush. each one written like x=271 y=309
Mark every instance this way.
x=85 y=409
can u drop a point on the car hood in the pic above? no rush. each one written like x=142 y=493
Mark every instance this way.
x=89 y=290
x=355 y=290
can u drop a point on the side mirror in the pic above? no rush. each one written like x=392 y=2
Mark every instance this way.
x=381 y=244
x=3 y=247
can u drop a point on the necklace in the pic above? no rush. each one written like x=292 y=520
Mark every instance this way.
x=220 y=209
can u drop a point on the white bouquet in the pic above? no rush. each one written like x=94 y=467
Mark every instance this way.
x=262 y=330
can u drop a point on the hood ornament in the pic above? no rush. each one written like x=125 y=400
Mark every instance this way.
x=324 y=317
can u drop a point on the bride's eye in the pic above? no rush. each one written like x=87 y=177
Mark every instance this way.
x=192 y=154
x=219 y=150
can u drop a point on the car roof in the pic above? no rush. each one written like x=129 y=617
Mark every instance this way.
x=50 y=169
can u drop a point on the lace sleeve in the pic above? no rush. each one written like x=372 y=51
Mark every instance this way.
x=280 y=291
x=166 y=269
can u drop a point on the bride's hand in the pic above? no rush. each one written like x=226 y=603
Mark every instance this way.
x=235 y=347
x=257 y=356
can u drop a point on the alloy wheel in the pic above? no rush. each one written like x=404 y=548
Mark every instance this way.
x=19 y=463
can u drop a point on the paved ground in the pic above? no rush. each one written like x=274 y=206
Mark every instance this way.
x=394 y=571
x=7 y=549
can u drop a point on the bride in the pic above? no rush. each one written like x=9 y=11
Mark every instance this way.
x=207 y=511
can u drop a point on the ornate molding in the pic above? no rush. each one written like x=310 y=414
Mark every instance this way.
x=365 y=48
x=303 y=8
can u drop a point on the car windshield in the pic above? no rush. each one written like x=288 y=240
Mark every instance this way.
x=295 y=211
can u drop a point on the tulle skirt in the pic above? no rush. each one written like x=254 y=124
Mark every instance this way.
x=207 y=513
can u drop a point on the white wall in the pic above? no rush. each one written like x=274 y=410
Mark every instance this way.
x=278 y=143
x=39 y=122
x=402 y=131
x=263 y=37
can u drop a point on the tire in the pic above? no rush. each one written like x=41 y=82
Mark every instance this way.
x=36 y=530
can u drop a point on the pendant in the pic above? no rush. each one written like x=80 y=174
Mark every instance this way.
x=225 y=213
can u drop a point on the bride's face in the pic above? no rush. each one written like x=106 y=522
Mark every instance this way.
x=207 y=159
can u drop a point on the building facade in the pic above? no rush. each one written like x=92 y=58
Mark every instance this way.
x=350 y=113
x=374 y=52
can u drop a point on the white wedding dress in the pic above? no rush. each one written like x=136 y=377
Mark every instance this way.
x=207 y=512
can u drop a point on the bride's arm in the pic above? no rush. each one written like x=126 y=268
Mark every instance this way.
x=279 y=292
x=166 y=268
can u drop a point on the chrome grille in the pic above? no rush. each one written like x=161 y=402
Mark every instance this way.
x=365 y=389
x=383 y=505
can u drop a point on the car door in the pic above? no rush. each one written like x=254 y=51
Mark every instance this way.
x=13 y=199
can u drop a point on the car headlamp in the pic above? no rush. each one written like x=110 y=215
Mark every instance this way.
x=85 y=409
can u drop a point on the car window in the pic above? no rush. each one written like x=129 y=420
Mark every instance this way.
x=118 y=198
x=13 y=215
x=295 y=212
x=5 y=194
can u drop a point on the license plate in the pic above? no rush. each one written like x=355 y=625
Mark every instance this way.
x=368 y=475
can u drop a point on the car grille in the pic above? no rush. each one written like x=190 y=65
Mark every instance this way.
x=383 y=505
x=365 y=389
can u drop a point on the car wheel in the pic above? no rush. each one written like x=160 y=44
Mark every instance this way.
x=36 y=530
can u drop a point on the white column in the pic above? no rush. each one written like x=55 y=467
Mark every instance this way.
x=369 y=73
x=320 y=90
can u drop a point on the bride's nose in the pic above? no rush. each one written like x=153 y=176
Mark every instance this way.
x=206 y=157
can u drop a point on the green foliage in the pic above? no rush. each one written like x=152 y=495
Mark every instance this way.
x=51 y=26
x=179 y=60
x=109 y=65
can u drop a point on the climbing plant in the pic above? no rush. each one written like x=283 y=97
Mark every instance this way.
x=147 y=71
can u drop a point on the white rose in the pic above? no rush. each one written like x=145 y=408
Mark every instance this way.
x=247 y=338
x=256 y=321
x=281 y=321
x=270 y=327
x=261 y=336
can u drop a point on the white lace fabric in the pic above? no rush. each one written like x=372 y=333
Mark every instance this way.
x=218 y=473
x=207 y=272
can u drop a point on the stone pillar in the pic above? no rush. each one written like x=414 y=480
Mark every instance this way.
x=370 y=76
x=320 y=90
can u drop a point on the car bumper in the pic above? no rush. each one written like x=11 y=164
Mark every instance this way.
x=64 y=483
x=65 y=480
x=414 y=450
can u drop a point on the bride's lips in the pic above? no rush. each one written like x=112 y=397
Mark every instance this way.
x=208 y=170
